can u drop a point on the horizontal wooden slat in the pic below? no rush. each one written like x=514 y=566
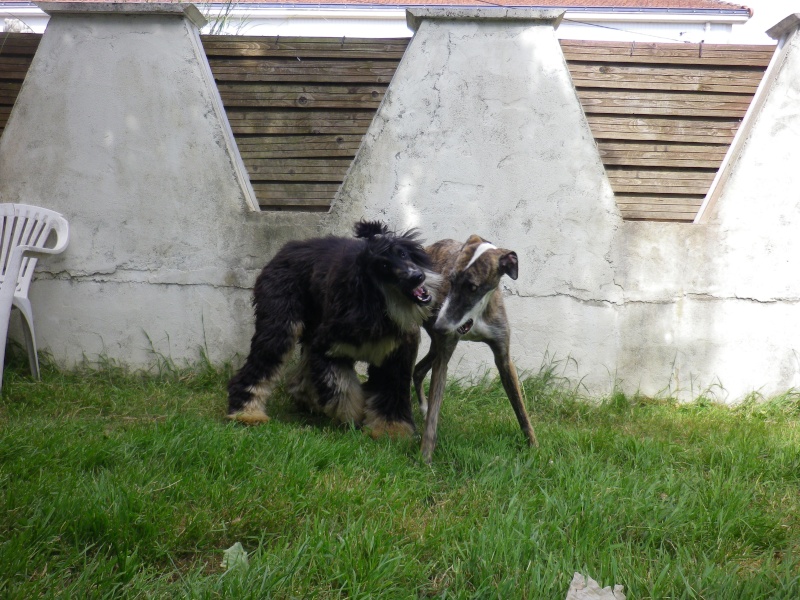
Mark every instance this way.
x=299 y=146
x=19 y=43
x=284 y=195
x=299 y=122
x=244 y=46
x=307 y=71
x=662 y=208
x=332 y=169
x=660 y=181
x=14 y=67
x=664 y=201
x=674 y=79
x=661 y=155
x=276 y=191
x=657 y=53
x=663 y=130
x=637 y=102
x=301 y=96
x=256 y=128
x=648 y=214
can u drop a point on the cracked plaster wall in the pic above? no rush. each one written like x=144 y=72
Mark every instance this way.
x=119 y=127
x=481 y=131
x=714 y=307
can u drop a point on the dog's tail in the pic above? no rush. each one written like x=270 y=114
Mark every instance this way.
x=368 y=229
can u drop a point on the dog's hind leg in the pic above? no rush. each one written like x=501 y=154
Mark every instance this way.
x=508 y=376
x=337 y=388
x=248 y=390
x=444 y=348
x=388 y=391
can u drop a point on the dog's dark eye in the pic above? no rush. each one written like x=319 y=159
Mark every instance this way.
x=473 y=287
x=402 y=254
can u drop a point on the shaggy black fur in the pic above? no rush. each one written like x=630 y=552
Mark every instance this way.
x=345 y=300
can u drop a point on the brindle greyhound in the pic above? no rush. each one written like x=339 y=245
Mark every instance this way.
x=473 y=310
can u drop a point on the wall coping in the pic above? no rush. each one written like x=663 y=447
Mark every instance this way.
x=784 y=27
x=190 y=11
x=414 y=16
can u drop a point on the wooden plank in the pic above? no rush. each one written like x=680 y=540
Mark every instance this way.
x=14 y=67
x=709 y=150
x=660 y=160
x=299 y=146
x=254 y=128
x=659 y=208
x=661 y=155
x=301 y=96
x=652 y=215
x=639 y=102
x=665 y=130
x=288 y=115
x=364 y=48
x=674 y=79
x=660 y=182
x=657 y=53
x=306 y=71
x=333 y=169
x=19 y=43
x=295 y=208
x=684 y=202
x=9 y=90
x=285 y=195
x=282 y=122
x=276 y=191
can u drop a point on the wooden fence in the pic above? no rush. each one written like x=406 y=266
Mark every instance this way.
x=663 y=115
x=299 y=108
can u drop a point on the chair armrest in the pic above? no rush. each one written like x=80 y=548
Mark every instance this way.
x=61 y=227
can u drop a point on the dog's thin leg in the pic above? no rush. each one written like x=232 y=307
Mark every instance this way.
x=508 y=376
x=420 y=371
x=444 y=351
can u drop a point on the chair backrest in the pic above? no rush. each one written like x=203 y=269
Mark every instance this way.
x=30 y=227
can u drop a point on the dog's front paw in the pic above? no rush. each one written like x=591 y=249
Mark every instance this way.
x=377 y=428
x=250 y=415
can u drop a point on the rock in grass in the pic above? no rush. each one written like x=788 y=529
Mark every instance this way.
x=586 y=588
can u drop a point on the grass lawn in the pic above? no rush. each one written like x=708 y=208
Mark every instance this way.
x=120 y=485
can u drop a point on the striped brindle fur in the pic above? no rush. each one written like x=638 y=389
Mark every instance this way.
x=472 y=310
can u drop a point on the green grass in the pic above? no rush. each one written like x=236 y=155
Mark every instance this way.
x=127 y=485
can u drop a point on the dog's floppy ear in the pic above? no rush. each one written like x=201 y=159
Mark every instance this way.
x=509 y=264
x=368 y=229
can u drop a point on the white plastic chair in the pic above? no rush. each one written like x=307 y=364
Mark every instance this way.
x=24 y=231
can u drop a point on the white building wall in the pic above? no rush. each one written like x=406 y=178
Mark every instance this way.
x=380 y=22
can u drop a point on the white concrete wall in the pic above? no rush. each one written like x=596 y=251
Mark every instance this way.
x=482 y=132
x=717 y=301
x=119 y=127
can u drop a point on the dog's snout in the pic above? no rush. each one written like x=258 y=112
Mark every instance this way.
x=416 y=276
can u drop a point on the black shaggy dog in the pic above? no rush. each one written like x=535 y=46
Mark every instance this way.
x=345 y=300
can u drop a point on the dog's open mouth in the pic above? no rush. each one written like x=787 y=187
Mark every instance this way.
x=421 y=295
x=465 y=327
